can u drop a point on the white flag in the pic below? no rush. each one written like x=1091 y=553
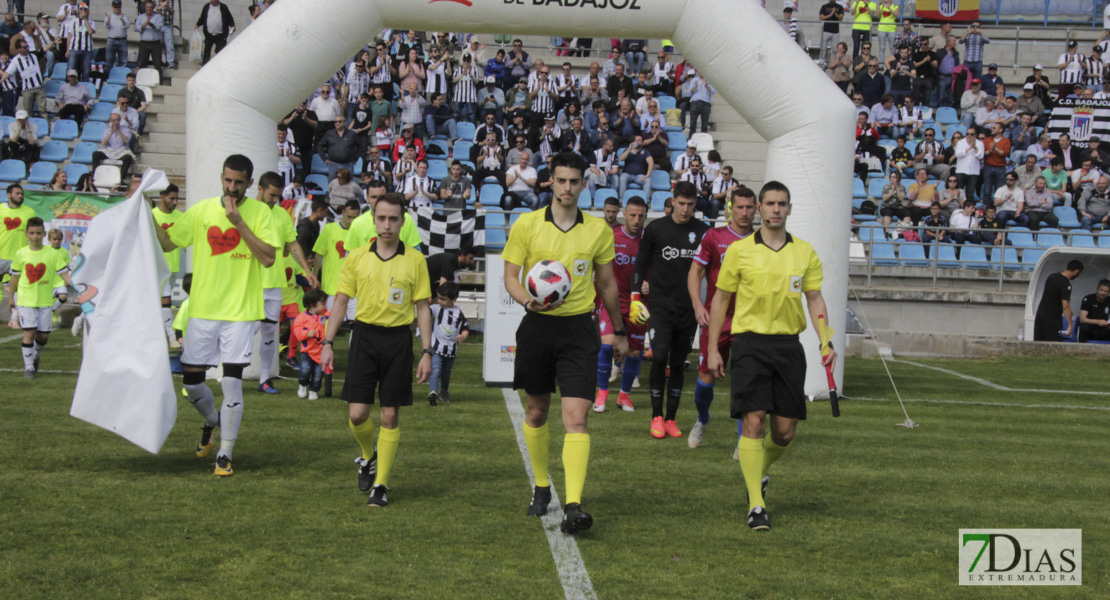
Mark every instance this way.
x=125 y=384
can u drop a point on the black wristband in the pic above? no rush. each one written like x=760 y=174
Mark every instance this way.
x=427 y=351
x=327 y=342
x=620 y=332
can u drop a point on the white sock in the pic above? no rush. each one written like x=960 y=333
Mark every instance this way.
x=167 y=321
x=201 y=399
x=38 y=348
x=267 y=350
x=231 y=415
x=28 y=357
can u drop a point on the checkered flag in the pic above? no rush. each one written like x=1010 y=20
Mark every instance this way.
x=449 y=231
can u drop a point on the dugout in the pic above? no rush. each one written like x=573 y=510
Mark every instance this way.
x=1096 y=266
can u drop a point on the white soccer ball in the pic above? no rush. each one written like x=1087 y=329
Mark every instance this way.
x=548 y=282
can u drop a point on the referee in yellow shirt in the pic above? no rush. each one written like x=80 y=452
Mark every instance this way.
x=387 y=278
x=769 y=272
x=558 y=343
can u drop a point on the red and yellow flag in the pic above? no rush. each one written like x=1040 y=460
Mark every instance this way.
x=948 y=10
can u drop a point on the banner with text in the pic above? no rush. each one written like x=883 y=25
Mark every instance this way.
x=1081 y=119
x=503 y=316
x=948 y=10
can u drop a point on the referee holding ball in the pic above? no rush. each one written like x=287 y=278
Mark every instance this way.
x=768 y=272
x=558 y=343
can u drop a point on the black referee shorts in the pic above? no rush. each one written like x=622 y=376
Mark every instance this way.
x=380 y=359
x=769 y=374
x=557 y=349
x=672 y=331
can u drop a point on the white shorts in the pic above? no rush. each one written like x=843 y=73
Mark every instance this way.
x=352 y=307
x=167 y=288
x=209 y=343
x=271 y=303
x=38 y=318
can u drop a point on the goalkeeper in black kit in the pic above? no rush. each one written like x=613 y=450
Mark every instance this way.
x=666 y=251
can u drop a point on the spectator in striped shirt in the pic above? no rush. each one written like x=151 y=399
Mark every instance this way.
x=1070 y=65
x=465 y=81
x=1094 y=69
x=356 y=84
x=604 y=171
x=542 y=93
x=9 y=93
x=79 y=43
x=30 y=79
x=973 y=41
x=382 y=71
x=449 y=329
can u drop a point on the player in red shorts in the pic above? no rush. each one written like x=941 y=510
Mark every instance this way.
x=707 y=262
x=626 y=241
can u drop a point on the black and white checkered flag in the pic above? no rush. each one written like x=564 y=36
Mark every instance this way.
x=449 y=231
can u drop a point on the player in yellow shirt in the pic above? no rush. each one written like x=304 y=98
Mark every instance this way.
x=330 y=249
x=387 y=278
x=33 y=270
x=13 y=228
x=56 y=238
x=233 y=239
x=558 y=343
x=166 y=215
x=362 y=229
x=270 y=185
x=768 y=272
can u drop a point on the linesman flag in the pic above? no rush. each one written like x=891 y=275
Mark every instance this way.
x=948 y=10
x=125 y=384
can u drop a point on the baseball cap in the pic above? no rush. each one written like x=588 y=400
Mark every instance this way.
x=975 y=82
x=21 y=114
x=42 y=15
x=1072 y=44
x=691 y=144
x=407 y=126
x=1096 y=49
x=549 y=116
x=1095 y=138
x=491 y=79
x=1028 y=86
x=117 y=3
x=992 y=66
x=1038 y=67
x=71 y=73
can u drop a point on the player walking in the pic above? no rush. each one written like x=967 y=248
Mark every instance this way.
x=34 y=270
x=166 y=215
x=559 y=342
x=13 y=230
x=273 y=277
x=626 y=244
x=768 y=272
x=707 y=262
x=666 y=251
x=386 y=278
x=233 y=239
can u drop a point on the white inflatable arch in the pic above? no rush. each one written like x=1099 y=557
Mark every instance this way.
x=234 y=102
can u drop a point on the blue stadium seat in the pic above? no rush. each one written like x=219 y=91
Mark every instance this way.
x=466 y=163
x=974 y=257
x=675 y=156
x=92 y=89
x=64 y=129
x=660 y=180
x=437 y=169
x=491 y=194
x=494 y=220
x=319 y=167
x=93 y=131
x=1104 y=240
x=54 y=151
x=602 y=194
x=496 y=239
x=42 y=124
x=666 y=103
x=911 y=145
x=946 y=115
x=82 y=152
x=1048 y=237
x=1012 y=262
x=858 y=191
x=912 y=255
x=658 y=199
x=520 y=210
x=108 y=92
x=1029 y=258
x=51 y=87
x=677 y=141
x=465 y=130
x=946 y=256
x=101 y=111
x=871 y=231
x=951 y=130
x=1067 y=216
x=74 y=172
x=441 y=144
x=358 y=168
x=585 y=201
x=59 y=72
x=1020 y=237
x=4 y=122
x=321 y=181
x=882 y=254
x=875 y=188
x=633 y=192
x=461 y=150
x=1030 y=7
x=12 y=170
x=118 y=76
x=888 y=145
x=1083 y=239
x=42 y=172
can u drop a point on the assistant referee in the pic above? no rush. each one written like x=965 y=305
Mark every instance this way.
x=387 y=278
x=768 y=272
x=558 y=343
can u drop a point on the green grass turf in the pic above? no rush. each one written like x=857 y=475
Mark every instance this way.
x=861 y=508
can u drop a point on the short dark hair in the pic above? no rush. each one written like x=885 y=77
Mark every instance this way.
x=393 y=198
x=353 y=204
x=466 y=251
x=240 y=164
x=187 y=283
x=686 y=190
x=376 y=183
x=935 y=203
x=449 y=290
x=1103 y=282
x=635 y=201
x=271 y=179
x=35 y=222
x=1056 y=160
x=13 y=187
x=1073 y=264
x=777 y=186
x=313 y=297
x=612 y=201
x=571 y=160
x=170 y=189
x=743 y=191
x=320 y=204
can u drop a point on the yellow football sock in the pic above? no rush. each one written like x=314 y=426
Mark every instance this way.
x=364 y=435
x=538 y=439
x=771 y=453
x=388 y=440
x=751 y=463
x=576 y=455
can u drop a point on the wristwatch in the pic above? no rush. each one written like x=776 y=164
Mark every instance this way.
x=620 y=332
x=327 y=342
x=427 y=351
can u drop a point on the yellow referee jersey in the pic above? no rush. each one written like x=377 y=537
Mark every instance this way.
x=769 y=284
x=535 y=237
x=386 y=289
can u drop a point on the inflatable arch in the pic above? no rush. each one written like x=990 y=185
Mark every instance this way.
x=234 y=102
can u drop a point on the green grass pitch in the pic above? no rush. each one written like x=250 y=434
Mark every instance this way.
x=861 y=508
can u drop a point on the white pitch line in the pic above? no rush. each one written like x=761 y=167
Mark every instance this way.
x=11 y=338
x=568 y=561
x=40 y=371
x=977 y=403
x=995 y=385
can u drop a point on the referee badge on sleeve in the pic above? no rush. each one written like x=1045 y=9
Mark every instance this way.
x=396 y=296
x=795 y=284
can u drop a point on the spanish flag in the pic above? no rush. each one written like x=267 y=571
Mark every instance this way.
x=948 y=10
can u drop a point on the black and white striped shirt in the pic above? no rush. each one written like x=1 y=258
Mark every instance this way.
x=82 y=34
x=549 y=144
x=10 y=83
x=1073 y=71
x=1093 y=71
x=721 y=185
x=437 y=79
x=602 y=162
x=465 y=90
x=415 y=183
x=544 y=102
x=913 y=115
x=382 y=76
x=660 y=72
x=683 y=162
x=358 y=83
x=448 y=325
x=285 y=166
x=29 y=74
x=565 y=80
x=698 y=179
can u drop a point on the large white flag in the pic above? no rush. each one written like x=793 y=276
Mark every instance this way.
x=125 y=384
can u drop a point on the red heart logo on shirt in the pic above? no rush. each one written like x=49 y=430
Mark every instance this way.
x=167 y=225
x=288 y=273
x=34 y=272
x=12 y=223
x=222 y=241
x=340 y=249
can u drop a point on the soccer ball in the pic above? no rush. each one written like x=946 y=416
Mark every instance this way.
x=547 y=282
